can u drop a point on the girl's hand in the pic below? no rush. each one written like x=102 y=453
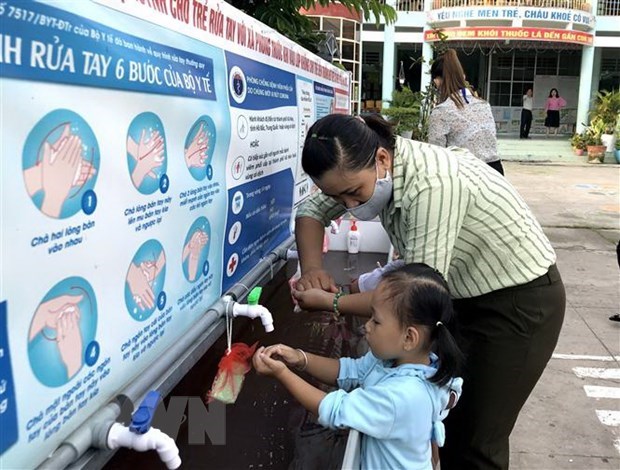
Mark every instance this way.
x=291 y=357
x=314 y=299
x=317 y=279
x=265 y=365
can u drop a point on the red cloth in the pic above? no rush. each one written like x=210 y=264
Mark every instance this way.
x=231 y=372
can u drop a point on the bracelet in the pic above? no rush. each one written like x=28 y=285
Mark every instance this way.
x=305 y=360
x=339 y=294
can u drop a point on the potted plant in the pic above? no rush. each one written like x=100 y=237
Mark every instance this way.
x=607 y=109
x=428 y=99
x=578 y=142
x=404 y=110
x=411 y=111
x=594 y=144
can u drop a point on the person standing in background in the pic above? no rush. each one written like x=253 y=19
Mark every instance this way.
x=460 y=119
x=552 y=107
x=526 y=114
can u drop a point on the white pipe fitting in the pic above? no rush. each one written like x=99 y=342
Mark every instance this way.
x=334 y=227
x=153 y=439
x=254 y=311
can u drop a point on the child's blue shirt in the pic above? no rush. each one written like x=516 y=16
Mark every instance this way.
x=397 y=410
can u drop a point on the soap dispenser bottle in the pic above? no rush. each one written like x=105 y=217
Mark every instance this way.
x=353 y=238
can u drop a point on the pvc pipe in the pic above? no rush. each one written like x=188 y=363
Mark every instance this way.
x=93 y=431
x=120 y=436
x=352 y=453
x=334 y=227
x=82 y=438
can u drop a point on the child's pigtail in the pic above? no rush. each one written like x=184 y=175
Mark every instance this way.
x=451 y=358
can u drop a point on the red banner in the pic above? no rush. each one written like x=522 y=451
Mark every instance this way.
x=515 y=34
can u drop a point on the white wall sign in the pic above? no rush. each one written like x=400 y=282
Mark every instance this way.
x=559 y=15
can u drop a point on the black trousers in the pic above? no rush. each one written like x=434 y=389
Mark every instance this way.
x=526 y=123
x=508 y=336
x=497 y=166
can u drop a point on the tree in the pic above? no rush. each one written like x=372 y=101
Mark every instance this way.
x=284 y=15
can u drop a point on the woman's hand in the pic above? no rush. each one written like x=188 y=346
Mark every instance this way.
x=265 y=365
x=314 y=299
x=291 y=357
x=317 y=279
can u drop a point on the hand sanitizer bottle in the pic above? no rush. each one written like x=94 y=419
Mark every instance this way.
x=353 y=239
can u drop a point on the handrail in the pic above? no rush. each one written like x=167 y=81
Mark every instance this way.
x=409 y=5
x=608 y=8
x=568 y=4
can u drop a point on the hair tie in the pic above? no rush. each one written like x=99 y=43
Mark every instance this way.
x=438 y=324
x=360 y=118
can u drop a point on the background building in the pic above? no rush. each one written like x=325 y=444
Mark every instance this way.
x=346 y=27
x=505 y=46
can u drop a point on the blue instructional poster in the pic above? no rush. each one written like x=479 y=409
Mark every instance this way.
x=151 y=159
x=8 y=408
x=258 y=220
x=305 y=111
x=121 y=149
x=262 y=162
x=60 y=47
x=256 y=86
x=324 y=100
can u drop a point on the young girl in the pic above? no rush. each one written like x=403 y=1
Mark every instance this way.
x=397 y=394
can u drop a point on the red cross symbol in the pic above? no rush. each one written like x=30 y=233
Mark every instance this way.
x=232 y=264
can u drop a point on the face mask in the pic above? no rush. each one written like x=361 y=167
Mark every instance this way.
x=379 y=199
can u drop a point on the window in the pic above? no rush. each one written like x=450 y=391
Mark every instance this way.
x=333 y=25
x=500 y=94
x=348 y=50
x=524 y=67
x=502 y=67
x=547 y=64
x=570 y=65
x=513 y=73
x=348 y=29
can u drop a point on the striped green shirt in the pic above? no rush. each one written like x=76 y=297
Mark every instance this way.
x=455 y=213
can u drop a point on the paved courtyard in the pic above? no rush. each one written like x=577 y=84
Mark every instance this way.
x=572 y=420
